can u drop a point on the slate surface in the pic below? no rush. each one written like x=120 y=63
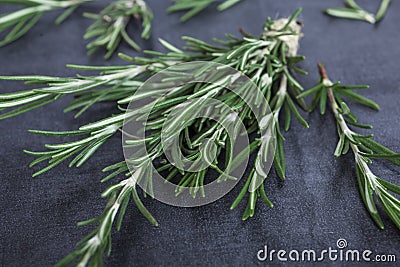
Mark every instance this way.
x=318 y=204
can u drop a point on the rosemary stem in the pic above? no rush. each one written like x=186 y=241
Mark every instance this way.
x=334 y=105
x=345 y=128
x=99 y=239
x=282 y=94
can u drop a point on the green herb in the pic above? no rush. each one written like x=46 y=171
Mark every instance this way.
x=15 y=24
x=195 y=7
x=92 y=247
x=354 y=11
x=267 y=60
x=364 y=148
x=111 y=23
x=109 y=28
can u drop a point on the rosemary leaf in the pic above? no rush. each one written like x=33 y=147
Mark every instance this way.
x=195 y=7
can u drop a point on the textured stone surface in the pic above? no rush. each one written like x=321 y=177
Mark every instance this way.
x=317 y=204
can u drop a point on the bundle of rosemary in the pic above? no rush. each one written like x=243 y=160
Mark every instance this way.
x=267 y=60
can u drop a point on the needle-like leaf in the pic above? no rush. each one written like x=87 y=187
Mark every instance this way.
x=195 y=7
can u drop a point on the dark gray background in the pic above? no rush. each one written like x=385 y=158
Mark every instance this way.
x=318 y=204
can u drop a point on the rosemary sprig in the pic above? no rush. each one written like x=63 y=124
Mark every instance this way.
x=15 y=24
x=364 y=148
x=354 y=11
x=111 y=23
x=109 y=28
x=92 y=247
x=267 y=60
x=195 y=7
